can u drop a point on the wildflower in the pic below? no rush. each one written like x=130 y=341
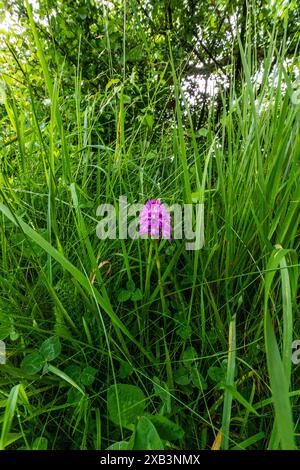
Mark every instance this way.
x=155 y=220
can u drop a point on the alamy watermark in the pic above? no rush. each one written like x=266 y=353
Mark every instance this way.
x=2 y=353
x=296 y=351
x=296 y=93
x=128 y=221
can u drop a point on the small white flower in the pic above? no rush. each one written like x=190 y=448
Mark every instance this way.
x=47 y=102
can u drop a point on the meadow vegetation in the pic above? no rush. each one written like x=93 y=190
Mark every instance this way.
x=106 y=347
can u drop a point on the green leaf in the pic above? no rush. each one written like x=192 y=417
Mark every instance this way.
x=188 y=356
x=74 y=395
x=121 y=445
x=51 y=348
x=181 y=376
x=88 y=375
x=279 y=371
x=74 y=372
x=166 y=428
x=125 y=403
x=249 y=441
x=6 y=325
x=40 y=443
x=125 y=370
x=184 y=331
x=162 y=391
x=126 y=99
x=149 y=120
x=279 y=387
x=82 y=11
x=201 y=132
x=136 y=54
x=45 y=368
x=136 y=295
x=197 y=379
x=14 y=335
x=123 y=295
x=146 y=436
x=65 y=377
x=13 y=437
x=32 y=363
x=240 y=398
x=197 y=196
x=217 y=374
x=112 y=82
x=11 y=404
x=130 y=285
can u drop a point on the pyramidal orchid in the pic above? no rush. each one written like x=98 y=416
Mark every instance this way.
x=155 y=220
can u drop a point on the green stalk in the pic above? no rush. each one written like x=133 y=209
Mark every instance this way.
x=160 y=283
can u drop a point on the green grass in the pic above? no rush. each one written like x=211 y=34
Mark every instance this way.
x=209 y=341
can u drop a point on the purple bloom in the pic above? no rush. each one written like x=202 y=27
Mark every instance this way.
x=155 y=220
